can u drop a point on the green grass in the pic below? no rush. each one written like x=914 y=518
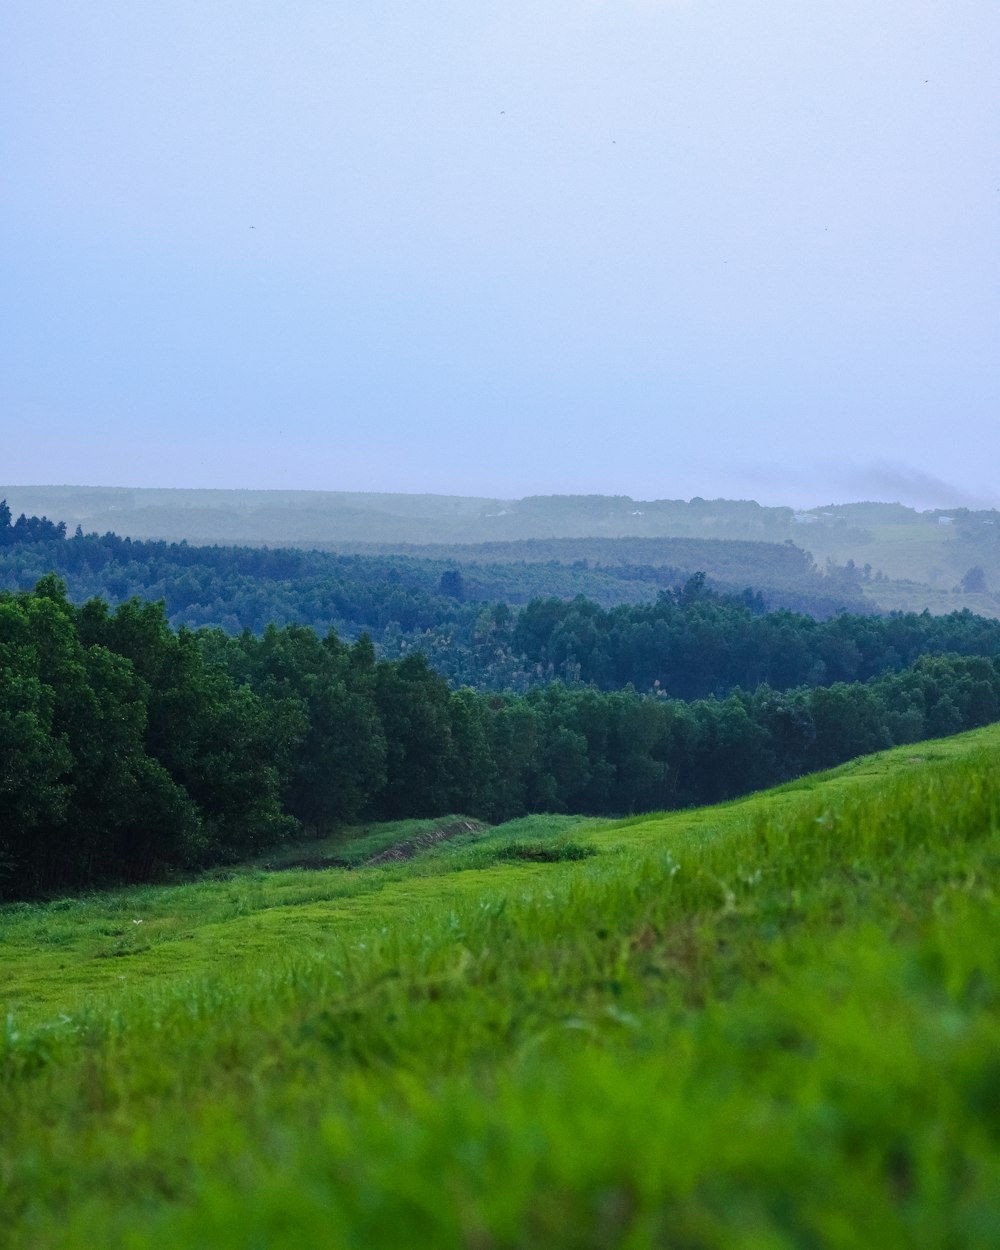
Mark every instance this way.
x=770 y=1024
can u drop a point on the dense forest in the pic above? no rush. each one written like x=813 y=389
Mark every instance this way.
x=129 y=748
x=693 y=642
x=874 y=556
x=404 y=593
x=515 y=624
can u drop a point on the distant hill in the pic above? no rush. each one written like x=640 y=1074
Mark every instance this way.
x=903 y=559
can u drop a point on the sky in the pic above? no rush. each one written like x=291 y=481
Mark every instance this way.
x=662 y=249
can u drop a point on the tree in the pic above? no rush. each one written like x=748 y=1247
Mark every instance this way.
x=473 y=780
x=338 y=759
x=34 y=767
x=414 y=707
x=849 y=720
x=974 y=581
x=217 y=740
x=452 y=585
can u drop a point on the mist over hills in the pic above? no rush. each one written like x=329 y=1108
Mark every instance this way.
x=904 y=558
x=321 y=517
x=318 y=517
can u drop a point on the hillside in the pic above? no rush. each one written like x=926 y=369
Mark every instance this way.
x=249 y=587
x=772 y=1023
x=129 y=749
x=904 y=559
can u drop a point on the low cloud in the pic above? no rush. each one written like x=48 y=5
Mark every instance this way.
x=882 y=481
x=894 y=481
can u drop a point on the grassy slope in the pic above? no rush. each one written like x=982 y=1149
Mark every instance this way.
x=769 y=1024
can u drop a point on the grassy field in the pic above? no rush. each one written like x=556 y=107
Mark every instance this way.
x=770 y=1024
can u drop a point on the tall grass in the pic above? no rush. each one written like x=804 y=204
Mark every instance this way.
x=769 y=1024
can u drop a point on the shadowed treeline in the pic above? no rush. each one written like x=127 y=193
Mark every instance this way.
x=128 y=748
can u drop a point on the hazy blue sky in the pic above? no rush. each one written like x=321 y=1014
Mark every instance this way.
x=708 y=247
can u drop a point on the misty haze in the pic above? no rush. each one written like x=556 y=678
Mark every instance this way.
x=499 y=625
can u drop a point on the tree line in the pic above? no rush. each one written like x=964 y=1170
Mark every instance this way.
x=416 y=596
x=693 y=642
x=129 y=748
x=28 y=529
x=512 y=625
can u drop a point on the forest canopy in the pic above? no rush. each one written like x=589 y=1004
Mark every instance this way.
x=168 y=706
x=129 y=748
x=516 y=623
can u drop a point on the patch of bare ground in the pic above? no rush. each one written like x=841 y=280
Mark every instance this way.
x=406 y=850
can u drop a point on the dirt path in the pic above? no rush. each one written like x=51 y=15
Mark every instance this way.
x=406 y=850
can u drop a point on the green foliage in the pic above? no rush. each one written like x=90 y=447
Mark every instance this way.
x=694 y=642
x=340 y=755
x=399 y=597
x=544 y=854
x=129 y=749
x=627 y=611
x=875 y=556
x=414 y=708
x=121 y=751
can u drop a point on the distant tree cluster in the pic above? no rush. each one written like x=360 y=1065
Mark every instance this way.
x=28 y=529
x=129 y=748
x=694 y=642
